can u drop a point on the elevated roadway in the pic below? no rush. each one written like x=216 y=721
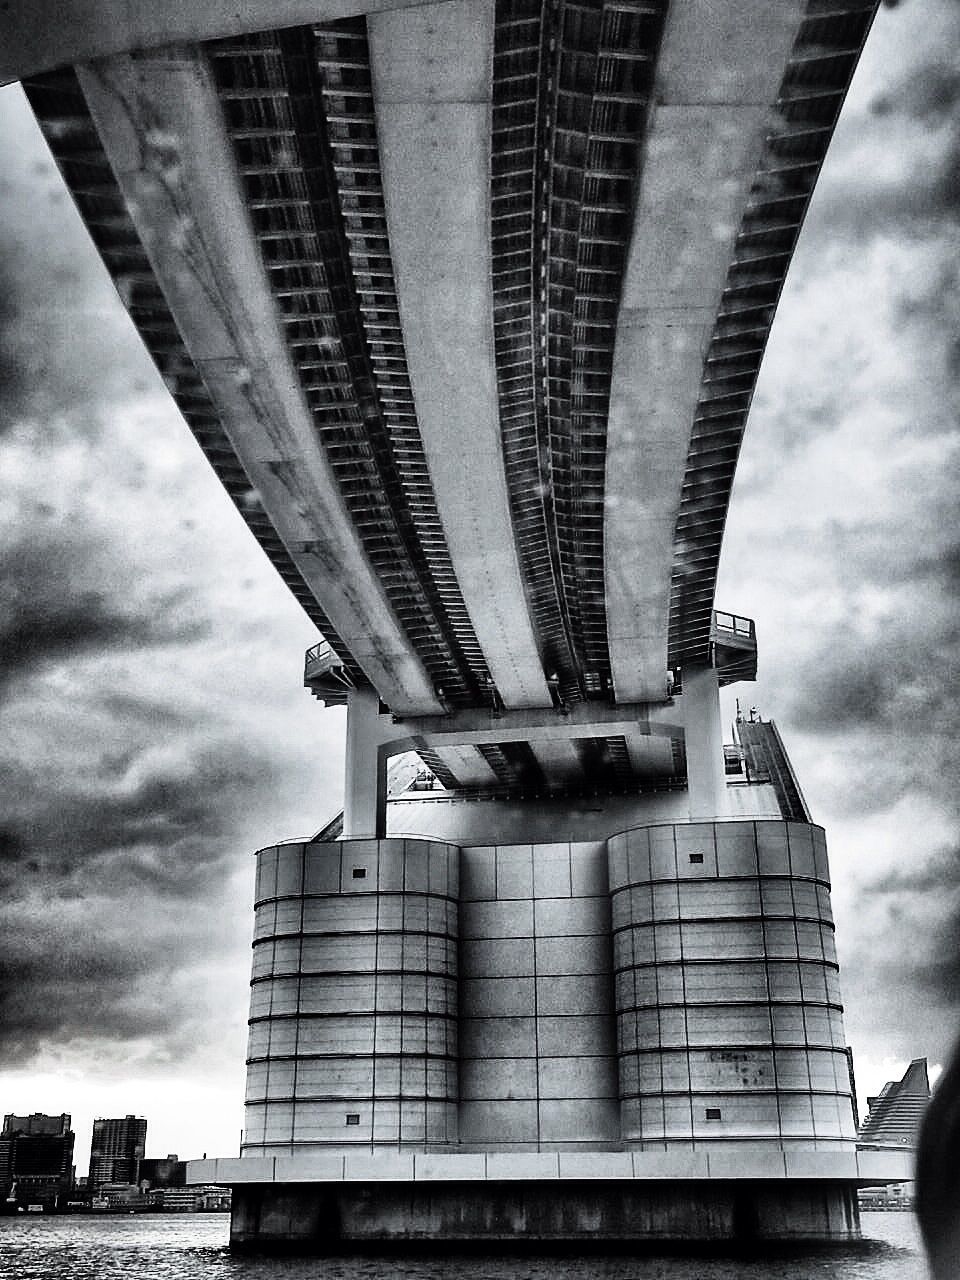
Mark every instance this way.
x=465 y=303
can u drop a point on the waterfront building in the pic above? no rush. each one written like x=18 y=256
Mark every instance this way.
x=159 y=1173
x=194 y=1199
x=116 y=1151
x=36 y=1160
x=894 y=1116
x=115 y=1195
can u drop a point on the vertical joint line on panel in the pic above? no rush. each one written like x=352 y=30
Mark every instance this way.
x=803 y=1003
x=683 y=990
x=376 y=1001
x=296 y=1037
x=536 y=993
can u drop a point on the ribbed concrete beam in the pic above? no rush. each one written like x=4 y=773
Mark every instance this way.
x=650 y=753
x=432 y=75
x=559 y=760
x=719 y=72
x=468 y=766
x=161 y=126
x=58 y=33
x=434 y=734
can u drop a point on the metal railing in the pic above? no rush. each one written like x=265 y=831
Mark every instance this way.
x=732 y=624
x=325 y=675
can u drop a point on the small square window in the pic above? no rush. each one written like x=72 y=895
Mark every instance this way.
x=713 y=1113
x=353 y=1117
x=359 y=873
x=696 y=857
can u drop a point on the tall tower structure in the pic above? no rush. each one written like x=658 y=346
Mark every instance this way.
x=116 y=1150
x=894 y=1116
x=465 y=302
x=36 y=1160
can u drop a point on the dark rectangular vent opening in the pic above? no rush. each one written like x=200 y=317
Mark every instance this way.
x=713 y=1113
x=359 y=873
x=353 y=1117
x=696 y=857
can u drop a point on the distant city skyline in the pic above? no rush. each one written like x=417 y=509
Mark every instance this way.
x=157 y=733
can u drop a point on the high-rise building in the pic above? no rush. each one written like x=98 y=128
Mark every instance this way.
x=36 y=1159
x=116 y=1151
x=895 y=1114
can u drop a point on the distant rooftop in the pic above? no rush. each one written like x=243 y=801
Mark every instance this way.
x=894 y=1115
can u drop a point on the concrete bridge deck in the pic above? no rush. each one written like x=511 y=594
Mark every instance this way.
x=465 y=302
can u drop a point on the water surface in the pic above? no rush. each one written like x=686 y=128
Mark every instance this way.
x=194 y=1247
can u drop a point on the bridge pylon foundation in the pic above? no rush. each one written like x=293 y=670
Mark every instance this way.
x=532 y=1214
x=630 y=1032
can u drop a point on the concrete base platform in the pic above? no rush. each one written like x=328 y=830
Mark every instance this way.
x=329 y=1218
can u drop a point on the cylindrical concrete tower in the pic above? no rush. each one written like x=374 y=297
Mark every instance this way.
x=728 y=1006
x=353 y=1009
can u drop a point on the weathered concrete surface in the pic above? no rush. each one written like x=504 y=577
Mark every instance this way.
x=744 y=1018
x=468 y=766
x=365 y=991
x=432 y=78
x=531 y=1209
x=537 y=1034
x=719 y=71
x=55 y=33
x=513 y=821
x=706 y=775
x=558 y=760
x=651 y=756
x=676 y=1165
x=161 y=126
x=364 y=771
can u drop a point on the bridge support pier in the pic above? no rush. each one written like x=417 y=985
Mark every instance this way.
x=703 y=731
x=365 y=781
x=594 y=1214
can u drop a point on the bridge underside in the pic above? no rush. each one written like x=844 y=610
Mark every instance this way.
x=465 y=303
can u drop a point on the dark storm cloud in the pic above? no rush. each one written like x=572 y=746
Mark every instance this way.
x=931 y=97
x=895 y=666
x=842 y=539
x=896 y=152
x=139 y=762
x=887 y=691
x=63 y=994
x=924 y=900
x=138 y=710
x=938 y=974
x=109 y=977
x=939 y=874
x=112 y=890
x=163 y=825
x=63 y=345
x=920 y=206
x=49 y=614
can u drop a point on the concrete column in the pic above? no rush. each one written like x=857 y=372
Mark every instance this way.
x=706 y=780
x=365 y=783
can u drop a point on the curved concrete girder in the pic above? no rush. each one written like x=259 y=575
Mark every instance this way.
x=558 y=760
x=718 y=76
x=650 y=753
x=432 y=77
x=468 y=766
x=160 y=123
x=58 y=33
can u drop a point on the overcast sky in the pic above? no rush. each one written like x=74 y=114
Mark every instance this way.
x=155 y=730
